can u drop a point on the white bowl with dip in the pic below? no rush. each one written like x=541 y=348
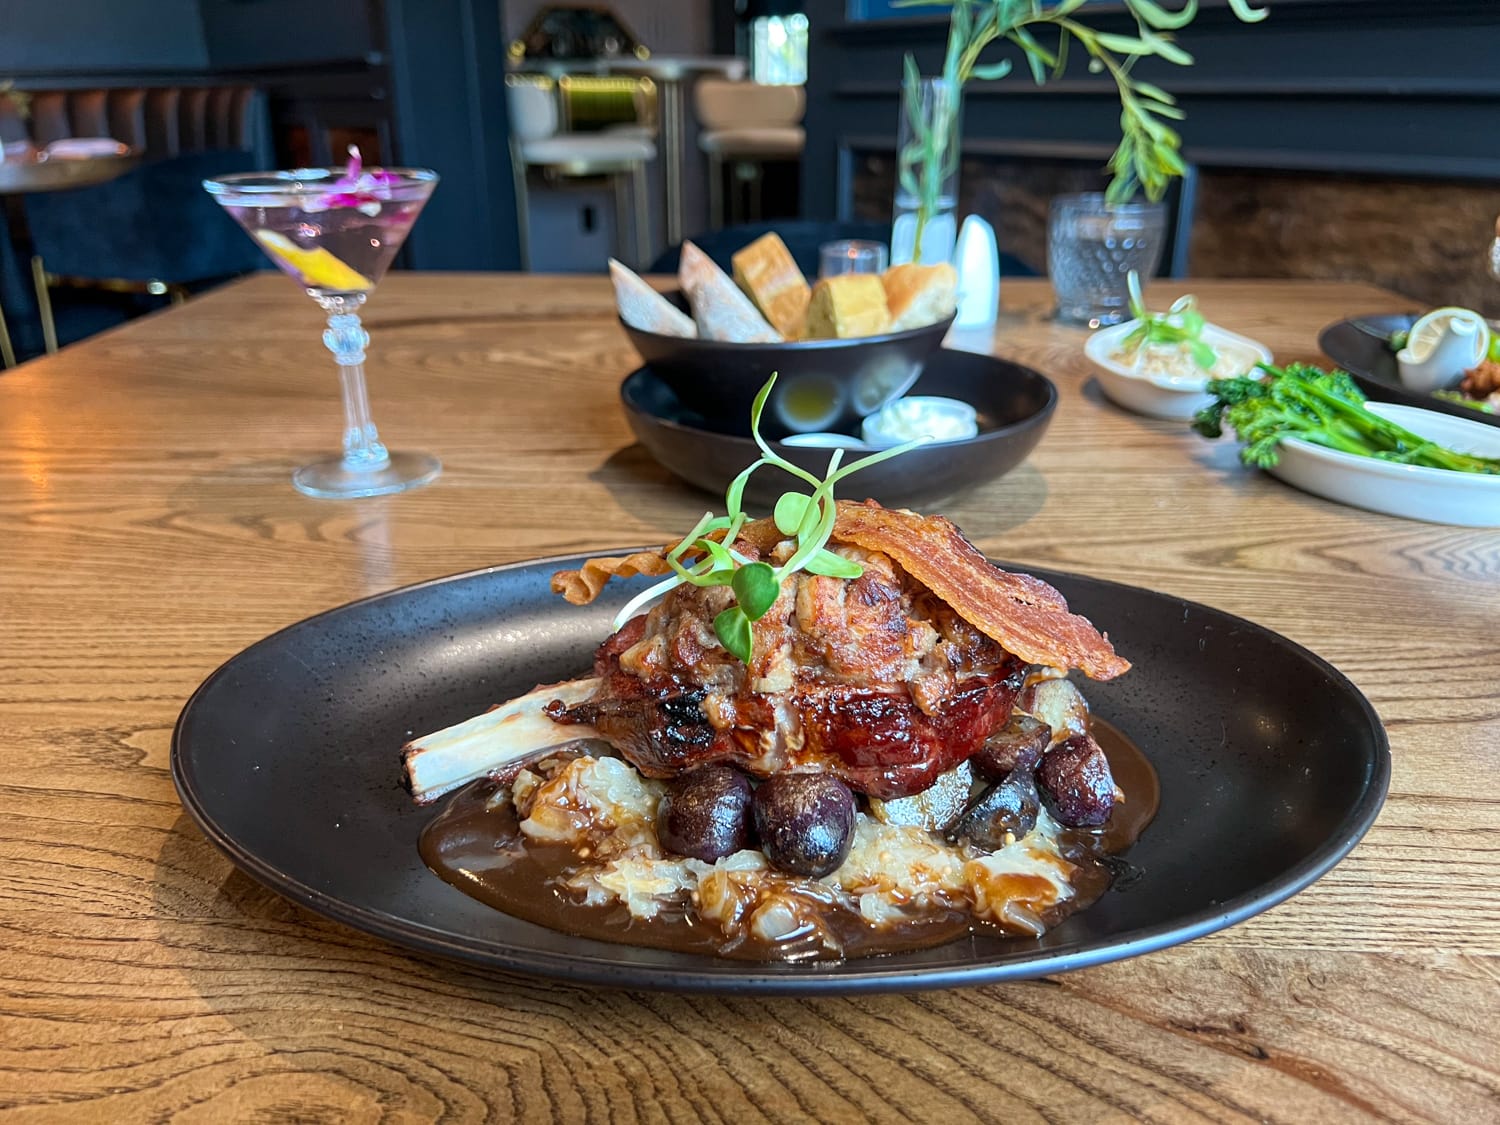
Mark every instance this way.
x=1176 y=391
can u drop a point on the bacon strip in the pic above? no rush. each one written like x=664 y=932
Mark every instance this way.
x=579 y=587
x=582 y=586
x=1021 y=613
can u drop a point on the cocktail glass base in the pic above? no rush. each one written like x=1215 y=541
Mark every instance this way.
x=334 y=479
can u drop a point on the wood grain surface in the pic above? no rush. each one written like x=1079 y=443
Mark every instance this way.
x=148 y=531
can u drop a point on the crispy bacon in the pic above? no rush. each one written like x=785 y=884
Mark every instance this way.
x=1023 y=614
x=581 y=586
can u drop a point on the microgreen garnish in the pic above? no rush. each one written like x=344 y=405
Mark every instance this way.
x=806 y=517
x=1181 y=324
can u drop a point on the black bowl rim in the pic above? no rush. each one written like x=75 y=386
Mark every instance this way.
x=838 y=342
x=1010 y=429
x=1394 y=390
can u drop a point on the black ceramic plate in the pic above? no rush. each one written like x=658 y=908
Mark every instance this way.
x=1014 y=405
x=1366 y=356
x=1272 y=766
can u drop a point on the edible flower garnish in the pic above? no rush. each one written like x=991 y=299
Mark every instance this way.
x=806 y=516
x=1182 y=324
x=359 y=188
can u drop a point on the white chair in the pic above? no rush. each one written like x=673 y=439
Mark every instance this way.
x=537 y=143
x=746 y=123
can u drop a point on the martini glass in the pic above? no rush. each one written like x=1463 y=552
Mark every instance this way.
x=335 y=231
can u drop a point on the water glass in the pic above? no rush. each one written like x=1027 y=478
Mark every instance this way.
x=851 y=255
x=1091 y=248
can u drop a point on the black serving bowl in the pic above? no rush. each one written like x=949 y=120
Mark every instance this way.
x=820 y=384
x=1014 y=405
x=1360 y=345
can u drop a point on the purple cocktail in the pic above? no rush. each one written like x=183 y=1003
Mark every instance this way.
x=335 y=232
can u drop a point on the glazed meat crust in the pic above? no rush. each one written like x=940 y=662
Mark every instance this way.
x=873 y=680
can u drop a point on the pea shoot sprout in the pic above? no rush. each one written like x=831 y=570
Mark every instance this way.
x=807 y=517
x=1181 y=324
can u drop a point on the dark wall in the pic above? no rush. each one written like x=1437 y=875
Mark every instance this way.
x=1356 y=86
x=244 y=34
x=447 y=67
x=50 y=37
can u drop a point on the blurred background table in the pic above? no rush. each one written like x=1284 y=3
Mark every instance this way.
x=151 y=531
x=33 y=177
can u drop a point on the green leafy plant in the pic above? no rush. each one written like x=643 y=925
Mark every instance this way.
x=1323 y=407
x=807 y=517
x=1149 y=154
x=1182 y=325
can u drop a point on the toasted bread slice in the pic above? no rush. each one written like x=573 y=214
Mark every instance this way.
x=722 y=311
x=919 y=295
x=644 y=308
x=765 y=270
x=850 y=304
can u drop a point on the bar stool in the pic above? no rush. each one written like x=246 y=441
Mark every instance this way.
x=746 y=123
x=536 y=143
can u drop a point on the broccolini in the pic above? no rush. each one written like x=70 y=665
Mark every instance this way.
x=1324 y=407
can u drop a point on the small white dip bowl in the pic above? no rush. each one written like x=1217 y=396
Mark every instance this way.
x=1174 y=397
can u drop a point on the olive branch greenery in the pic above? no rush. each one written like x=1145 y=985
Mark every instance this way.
x=806 y=516
x=1149 y=153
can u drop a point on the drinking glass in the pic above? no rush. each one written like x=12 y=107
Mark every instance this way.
x=851 y=255
x=335 y=231
x=1091 y=248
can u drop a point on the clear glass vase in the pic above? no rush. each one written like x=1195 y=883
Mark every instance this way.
x=924 y=224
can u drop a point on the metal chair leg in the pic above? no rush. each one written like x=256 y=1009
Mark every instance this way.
x=44 y=304
x=715 y=191
x=623 y=243
x=523 y=206
x=7 y=351
x=639 y=193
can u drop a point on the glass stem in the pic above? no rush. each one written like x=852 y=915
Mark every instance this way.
x=346 y=338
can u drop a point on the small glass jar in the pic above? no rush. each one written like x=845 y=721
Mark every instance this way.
x=851 y=255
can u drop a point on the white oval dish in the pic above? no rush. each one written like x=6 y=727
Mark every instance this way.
x=1410 y=491
x=1173 y=397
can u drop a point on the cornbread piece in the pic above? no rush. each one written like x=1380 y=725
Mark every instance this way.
x=765 y=270
x=851 y=304
x=644 y=308
x=722 y=310
x=919 y=295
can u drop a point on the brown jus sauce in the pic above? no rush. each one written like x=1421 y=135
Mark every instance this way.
x=477 y=846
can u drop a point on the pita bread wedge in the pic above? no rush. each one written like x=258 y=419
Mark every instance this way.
x=720 y=307
x=643 y=307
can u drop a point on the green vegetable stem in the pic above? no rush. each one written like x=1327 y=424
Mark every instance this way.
x=806 y=516
x=1323 y=407
x=1149 y=153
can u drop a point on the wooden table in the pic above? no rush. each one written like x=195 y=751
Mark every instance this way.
x=150 y=531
